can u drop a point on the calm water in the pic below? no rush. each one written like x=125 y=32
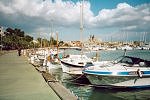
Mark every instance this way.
x=86 y=92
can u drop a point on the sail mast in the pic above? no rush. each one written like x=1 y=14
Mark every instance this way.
x=81 y=26
x=51 y=34
x=57 y=43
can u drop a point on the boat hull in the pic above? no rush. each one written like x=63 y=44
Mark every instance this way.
x=71 y=69
x=119 y=81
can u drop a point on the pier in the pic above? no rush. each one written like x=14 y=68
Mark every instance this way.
x=20 y=81
x=60 y=90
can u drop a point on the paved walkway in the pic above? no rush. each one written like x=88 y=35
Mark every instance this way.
x=20 y=81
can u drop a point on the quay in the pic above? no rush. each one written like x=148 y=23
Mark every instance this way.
x=60 y=90
x=20 y=81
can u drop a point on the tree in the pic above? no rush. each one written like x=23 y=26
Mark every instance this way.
x=15 y=38
x=9 y=31
x=53 y=41
x=45 y=42
x=18 y=32
x=28 y=38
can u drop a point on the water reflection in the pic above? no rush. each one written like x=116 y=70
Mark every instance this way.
x=124 y=94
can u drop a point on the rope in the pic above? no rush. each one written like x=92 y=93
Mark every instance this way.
x=77 y=77
x=90 y=85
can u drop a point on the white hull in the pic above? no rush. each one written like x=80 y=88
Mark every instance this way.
x=126 y=72
x=71 y=70
x=119 y=81
x=74 y=64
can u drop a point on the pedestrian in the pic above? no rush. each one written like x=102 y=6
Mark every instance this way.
x=19 y=51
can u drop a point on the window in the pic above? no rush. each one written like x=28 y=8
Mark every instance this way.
x=127 y=60
x=89 y=64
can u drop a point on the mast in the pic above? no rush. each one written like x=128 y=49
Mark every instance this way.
x=145 y=35
x=81 y=26
x=40 y=40
x=57 y=43
x=51 y=34
x=1 y=35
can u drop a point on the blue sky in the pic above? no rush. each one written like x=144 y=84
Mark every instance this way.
x=116 y=20
x=97 y=5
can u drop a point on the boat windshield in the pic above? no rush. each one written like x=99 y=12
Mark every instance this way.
x=132 y=61
x=88 y=64
x=126 y=60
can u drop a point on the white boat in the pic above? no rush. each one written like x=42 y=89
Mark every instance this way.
x=37 y=56
x=128 y=72
x=51 y=59
x=74 y=64
x=111 y=48
x=126 y=47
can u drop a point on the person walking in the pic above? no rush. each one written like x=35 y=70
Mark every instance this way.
x=19 y=51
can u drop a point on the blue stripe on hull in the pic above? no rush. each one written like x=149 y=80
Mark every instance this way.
x=129 y=73
x=119 y=81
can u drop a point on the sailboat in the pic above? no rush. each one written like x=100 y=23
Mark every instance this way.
x=74 y=64
x=52 y=58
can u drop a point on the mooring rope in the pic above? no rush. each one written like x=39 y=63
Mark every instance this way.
x=76 y=83
x=77 y=78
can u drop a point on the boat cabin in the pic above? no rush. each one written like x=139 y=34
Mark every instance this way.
x=133 y=61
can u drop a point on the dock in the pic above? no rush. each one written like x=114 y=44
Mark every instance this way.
x=20 y=81
x=60 y=90
x=63 y=93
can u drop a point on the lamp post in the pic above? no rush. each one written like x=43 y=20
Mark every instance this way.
x=2 y=34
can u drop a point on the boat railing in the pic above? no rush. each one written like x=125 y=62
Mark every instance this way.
x=124 y=66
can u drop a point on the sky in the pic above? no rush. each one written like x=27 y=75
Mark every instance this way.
x=107 y=20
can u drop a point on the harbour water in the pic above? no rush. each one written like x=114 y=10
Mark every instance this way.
x=88 y=92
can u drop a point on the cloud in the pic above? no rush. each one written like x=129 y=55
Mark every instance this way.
x=125 y=16
x=38 y=15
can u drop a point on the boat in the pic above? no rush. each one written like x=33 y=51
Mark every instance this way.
x=37 y=56
x=126 y=47
x=125 y=72
x=74 y=64
x=52 y=58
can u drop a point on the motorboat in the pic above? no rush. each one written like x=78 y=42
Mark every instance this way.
x=125 y=72
x=74 y=64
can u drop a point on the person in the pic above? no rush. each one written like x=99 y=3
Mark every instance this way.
x=19 y=51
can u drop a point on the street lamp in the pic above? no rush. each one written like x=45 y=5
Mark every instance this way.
x=2 y=34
